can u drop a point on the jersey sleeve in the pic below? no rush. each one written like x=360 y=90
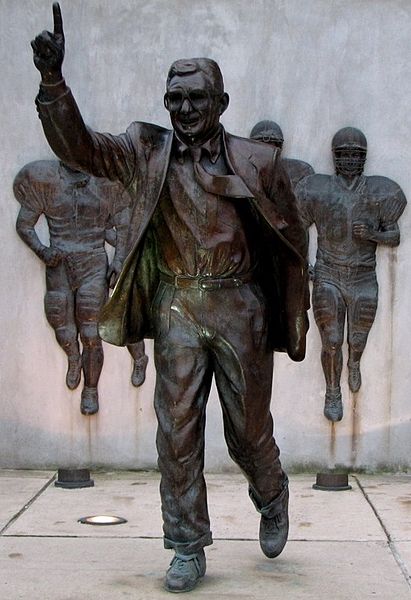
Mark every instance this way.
x=304 y=202
x=33 y=185
x=392 y=205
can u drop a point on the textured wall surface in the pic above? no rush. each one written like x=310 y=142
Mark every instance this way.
x=312 y=65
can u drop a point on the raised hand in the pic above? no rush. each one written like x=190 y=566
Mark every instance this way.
x=48 y=49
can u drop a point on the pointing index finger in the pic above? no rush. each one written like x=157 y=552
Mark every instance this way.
x=58 y=19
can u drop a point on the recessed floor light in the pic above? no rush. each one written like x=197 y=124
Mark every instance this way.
x=102 y=520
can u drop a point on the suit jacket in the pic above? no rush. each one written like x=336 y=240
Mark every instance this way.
x=139 y=158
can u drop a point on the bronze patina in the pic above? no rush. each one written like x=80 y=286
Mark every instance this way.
x=271 y=133
x=353 y=214
x=82 y=213
x=216 y=273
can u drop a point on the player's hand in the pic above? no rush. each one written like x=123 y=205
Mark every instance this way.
x=113 y=273
x=51 y=256
x=48 y=49
x=311 y=272
x=362 y=231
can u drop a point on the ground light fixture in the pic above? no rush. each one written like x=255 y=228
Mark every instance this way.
x=71 y=479
x=332 y=482
x=102 y=520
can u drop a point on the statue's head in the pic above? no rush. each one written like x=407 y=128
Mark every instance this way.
x=195 y=98
x=349 y=148
x=269 y=132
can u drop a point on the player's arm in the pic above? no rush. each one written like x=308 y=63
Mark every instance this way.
x=304 y=202
x=110 y=236
x=26 y=221
x=121 y=222
x=392 y=203
x=389 y=235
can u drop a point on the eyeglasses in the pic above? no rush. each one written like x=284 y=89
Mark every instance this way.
x=199 y=99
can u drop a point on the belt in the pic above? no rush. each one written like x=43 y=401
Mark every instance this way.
x=344 y=269
x=206 y=282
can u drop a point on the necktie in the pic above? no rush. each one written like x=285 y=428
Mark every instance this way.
x=230 y=186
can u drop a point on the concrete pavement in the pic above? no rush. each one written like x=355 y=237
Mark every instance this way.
x=343 y=545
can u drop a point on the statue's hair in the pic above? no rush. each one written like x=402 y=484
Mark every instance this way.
x=187 y=66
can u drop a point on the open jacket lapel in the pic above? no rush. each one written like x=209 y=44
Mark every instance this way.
x=154 y=156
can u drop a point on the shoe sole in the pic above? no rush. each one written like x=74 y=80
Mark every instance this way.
x=188 y=589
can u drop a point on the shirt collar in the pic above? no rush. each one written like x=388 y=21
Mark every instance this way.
x=212 y=147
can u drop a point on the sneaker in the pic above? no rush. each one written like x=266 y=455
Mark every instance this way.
x=185 y=572
x=89 y=401
x=333 y=407
x=73 y=371
x=139 y=371
x=274 y=525
x=354 y=376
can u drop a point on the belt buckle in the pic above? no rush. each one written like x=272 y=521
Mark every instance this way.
x=179 y=281
x=207 y=283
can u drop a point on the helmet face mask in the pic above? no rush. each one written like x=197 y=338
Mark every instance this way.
x=349 y=148
x=349 y=160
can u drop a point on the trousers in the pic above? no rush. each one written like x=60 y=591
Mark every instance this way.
x=199 y=334
x=340 y=291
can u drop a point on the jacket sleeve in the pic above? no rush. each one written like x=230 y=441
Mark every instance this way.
x=102 y=155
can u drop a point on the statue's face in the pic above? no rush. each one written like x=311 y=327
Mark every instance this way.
x=194 y=107
x=349 y=161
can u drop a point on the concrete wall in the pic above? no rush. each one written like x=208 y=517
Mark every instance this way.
x=312 y=65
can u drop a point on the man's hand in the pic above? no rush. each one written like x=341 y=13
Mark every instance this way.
x=48 y=50
x=51 y=256
x=362 y=231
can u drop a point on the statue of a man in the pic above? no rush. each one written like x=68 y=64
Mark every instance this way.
x=353 y=213
x=270 y=133
x=216 y=273
x=81 y=212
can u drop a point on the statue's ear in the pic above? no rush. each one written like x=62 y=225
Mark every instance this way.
x=224 y=102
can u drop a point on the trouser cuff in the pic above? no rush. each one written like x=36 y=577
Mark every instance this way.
x=192 y=547
x=276 y=505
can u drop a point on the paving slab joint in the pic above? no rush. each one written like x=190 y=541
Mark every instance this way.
x=27 y=505
x=391 y=544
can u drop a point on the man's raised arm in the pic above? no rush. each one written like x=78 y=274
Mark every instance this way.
x=75 y=144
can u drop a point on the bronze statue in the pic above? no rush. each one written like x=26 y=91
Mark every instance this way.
x=271 y=133
x=82 y=212
x=137 y=350
x=353 y=213
x=216 y=273
x=140 y=360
